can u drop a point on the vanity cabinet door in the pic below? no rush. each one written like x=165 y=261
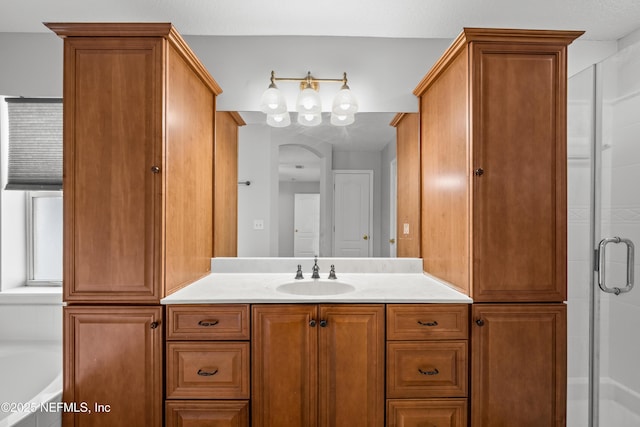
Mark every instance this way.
x=317 y=366
x=284 y=351
x=351 y=365
x=113 y=357
x=518 y=365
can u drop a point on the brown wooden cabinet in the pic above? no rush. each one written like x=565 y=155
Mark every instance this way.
x=494 y=212
x=113 y=364
x=207 y=370
x=493 y=147
x=225 y=204
x=138 y=171
x=518 y=365
x=427 y=364
x=193 y=413
x=430 y=413
x=317 y=365
x=138 y=207
x=408 y=196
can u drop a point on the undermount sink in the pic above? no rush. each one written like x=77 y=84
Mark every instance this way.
x=316 y=287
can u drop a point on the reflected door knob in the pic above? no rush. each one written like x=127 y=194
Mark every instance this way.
x=392 y=241
x=365 y=237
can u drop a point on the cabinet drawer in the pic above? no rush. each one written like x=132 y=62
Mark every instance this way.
x=190 y=413
x=427 y=321
x=215 y=370
x=431 y=412
x=427 y=369
x=209 y=322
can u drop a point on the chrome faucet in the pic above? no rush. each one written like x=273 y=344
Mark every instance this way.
x=315 y=269
x=332 y=272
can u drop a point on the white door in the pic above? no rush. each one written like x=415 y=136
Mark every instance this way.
x=393 y=203
x=306 y=219
x=352 y=213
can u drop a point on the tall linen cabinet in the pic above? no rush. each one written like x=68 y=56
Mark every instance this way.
x=138 y=209
x=493 y=212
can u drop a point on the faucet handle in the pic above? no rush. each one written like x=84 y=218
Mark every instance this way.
x=299 y=275
x=332 y=272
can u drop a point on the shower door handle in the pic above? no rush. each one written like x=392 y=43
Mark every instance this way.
x=601 y=261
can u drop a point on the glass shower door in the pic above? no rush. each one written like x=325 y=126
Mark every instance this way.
x=615 y=390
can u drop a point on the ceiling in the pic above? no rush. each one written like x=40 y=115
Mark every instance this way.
x=602 y=19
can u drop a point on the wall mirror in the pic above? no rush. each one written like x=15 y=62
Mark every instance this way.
x=325 y=190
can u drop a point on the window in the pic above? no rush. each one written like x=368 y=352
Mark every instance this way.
x=44 y=238
x=32 y=171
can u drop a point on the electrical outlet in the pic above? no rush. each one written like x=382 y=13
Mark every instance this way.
x=258 y=224
x=405 y=228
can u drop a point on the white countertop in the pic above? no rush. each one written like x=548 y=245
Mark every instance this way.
x=244 y=285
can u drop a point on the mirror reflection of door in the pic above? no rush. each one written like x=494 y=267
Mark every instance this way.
x=353 y=208
x=306 y=218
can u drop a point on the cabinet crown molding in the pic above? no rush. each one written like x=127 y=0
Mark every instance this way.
x=494 y=35
x=165 y=30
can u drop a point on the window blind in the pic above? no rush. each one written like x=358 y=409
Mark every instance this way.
x=35 y=144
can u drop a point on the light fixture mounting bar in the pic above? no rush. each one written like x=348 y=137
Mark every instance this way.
x=309 y=78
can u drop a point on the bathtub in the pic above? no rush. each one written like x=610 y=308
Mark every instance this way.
x=31 y=375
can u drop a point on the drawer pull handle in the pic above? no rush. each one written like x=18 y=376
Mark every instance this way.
x=207 y=373
x=434 y=372
x=207 y=323
x=434 y=323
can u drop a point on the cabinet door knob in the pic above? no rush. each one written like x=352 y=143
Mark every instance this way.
x=155 y=169
x=479 y=172
x=480 y=322
x=154 y=325
x=323 y=323
x=312 y=323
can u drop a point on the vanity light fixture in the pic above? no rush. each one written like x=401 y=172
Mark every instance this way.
x=308 y=104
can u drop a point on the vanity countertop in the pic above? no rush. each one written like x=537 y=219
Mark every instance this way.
x=374 y=280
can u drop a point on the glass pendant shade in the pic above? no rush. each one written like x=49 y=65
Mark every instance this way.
x=308 y=102
x=279 y=120
x=273 y=101
x=342 y=119
x=345 y=102
x=309 y=119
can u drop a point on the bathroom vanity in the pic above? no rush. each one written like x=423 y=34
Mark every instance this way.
x=162 y=334
x=369 y=348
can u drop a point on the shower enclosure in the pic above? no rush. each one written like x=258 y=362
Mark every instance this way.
x=604 y=222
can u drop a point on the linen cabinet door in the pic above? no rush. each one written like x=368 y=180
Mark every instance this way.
x=351 y=365
x=284 y=352
x=519 y=185
x=113 y=364
x=112 y=140
x=518 y=365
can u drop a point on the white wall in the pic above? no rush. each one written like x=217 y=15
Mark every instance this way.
x=383 y=72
